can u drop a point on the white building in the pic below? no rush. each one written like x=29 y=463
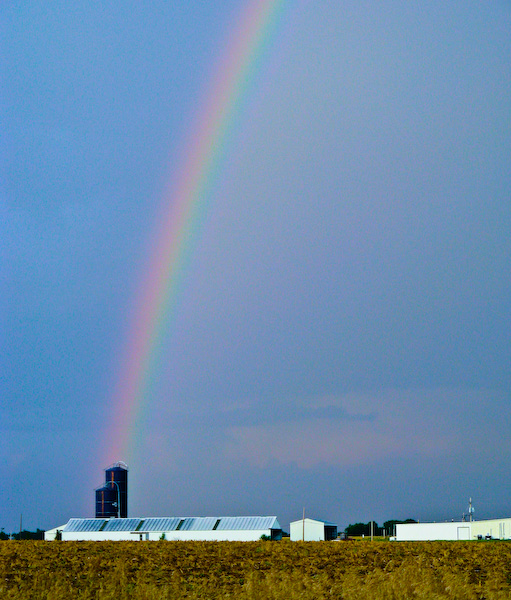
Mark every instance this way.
x=494 y=528
x=51 y=534
x=312 y=530
x=170 y=528
x=454 y=530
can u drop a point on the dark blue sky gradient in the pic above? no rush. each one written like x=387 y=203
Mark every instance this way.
x=341 y=337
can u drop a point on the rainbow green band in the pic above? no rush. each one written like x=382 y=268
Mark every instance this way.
x=185 y=208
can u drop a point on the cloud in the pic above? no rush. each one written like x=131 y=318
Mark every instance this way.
x=432 y=425
x=264 y=413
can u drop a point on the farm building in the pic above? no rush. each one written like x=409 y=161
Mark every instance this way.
x=454 y=530
x=51 y=534
x=242 y=529
x=312 y=530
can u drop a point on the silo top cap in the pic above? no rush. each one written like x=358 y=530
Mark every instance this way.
x=118 y=465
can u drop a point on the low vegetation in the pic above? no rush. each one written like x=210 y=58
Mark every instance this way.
x=259 y=570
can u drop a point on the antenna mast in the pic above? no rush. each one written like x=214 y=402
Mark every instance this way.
x=470 y=510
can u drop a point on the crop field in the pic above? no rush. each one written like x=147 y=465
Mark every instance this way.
x=261 y=570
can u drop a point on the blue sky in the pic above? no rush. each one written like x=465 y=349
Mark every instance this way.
x=341 y=338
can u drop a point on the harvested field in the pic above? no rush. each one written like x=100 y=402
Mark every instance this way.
x=262 y=570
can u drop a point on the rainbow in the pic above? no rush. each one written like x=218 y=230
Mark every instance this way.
x=185 y=206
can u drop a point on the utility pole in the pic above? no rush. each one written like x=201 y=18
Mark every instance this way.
x=372 y=530
x=303 y=525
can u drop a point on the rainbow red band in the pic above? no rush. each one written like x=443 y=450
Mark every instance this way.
x=202 y=160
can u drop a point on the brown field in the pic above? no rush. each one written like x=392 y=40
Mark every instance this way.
x=260 y=570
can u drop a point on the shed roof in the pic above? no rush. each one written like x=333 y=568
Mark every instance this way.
x=327 y=523
x=84 y=525
x=162 y=524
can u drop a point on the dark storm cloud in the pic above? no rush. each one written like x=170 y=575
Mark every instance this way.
x=263 y=414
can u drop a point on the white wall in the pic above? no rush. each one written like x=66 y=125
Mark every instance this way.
x=457 y=530
x=416 y=532
x=238 y=535
x=99 y=535
x=314 y=530
x=232 y=536
x=51 y=534
x=497 y=528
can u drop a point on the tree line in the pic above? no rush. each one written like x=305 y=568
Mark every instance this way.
x=23 y=535
x=388 y=528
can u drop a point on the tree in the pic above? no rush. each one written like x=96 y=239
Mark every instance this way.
x=358 y=529
x=29 y=535
x=355 y=529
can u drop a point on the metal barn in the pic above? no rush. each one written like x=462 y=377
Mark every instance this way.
x=171 y=528
x=454 y=530
x=312 y=530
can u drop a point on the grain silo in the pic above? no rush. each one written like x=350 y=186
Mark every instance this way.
x=112 y=496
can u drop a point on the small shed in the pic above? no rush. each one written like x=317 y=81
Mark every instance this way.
x=312 y=530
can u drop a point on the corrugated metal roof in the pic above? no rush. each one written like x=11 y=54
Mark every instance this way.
x=174 y=524
x=203 y=523
x=160 y=524
x=186 y=524
x=84 y=525
x=121 y=525
x=247 y=523
x=329 y=523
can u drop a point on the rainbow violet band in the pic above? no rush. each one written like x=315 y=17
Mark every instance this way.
x=184 y=207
